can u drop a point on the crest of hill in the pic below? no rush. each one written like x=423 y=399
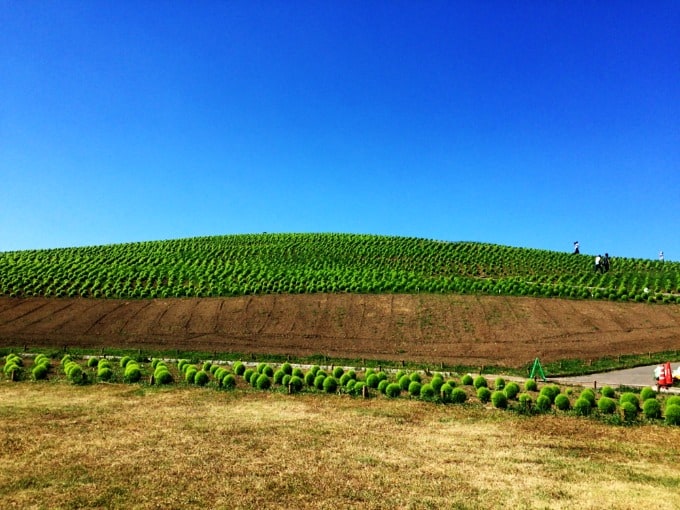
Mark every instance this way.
x=233 y=265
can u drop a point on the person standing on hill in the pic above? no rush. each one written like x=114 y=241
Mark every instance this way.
x=598 y=264
x=605 y=263
x=661 y=256
x=576 y=250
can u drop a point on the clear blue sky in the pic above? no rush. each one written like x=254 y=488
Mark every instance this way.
x=531 y=124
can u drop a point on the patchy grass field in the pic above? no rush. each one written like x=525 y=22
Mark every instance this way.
x=116 y=446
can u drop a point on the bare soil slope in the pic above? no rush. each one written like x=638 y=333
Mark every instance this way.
x=452 y=329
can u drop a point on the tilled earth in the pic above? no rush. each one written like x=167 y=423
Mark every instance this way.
x=450 y=329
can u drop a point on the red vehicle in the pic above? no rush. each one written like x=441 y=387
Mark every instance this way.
x=665 y=379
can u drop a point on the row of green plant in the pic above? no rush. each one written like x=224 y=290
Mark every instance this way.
x=626 y=408
x=307 y=263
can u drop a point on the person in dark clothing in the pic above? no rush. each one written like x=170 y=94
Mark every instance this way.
x=576 y=250
x=605 y=263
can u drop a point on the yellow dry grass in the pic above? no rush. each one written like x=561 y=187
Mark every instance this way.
x=117 y=446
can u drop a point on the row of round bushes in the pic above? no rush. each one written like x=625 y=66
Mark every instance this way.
x=13 y=368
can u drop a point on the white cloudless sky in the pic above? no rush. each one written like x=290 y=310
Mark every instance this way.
x=530 y=124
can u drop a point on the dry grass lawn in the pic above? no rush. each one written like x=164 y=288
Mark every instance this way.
x=117 y=446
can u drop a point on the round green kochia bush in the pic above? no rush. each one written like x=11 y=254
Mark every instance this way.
x=263 y=382
x=338 y=372
x=214 y=368
x=524 y=402
x=372 y=380
x=154 y=363
x=484 y=394
x=589 y=395
x=543 y=403
x=359 y=388
x=314 y=369
x=190 y=374
x=630 y=397
x=104 y=374
x=162 y=376
x=318 y=381
x=248 y=373
x=551 y=391
x=672 y=414
x=673 y=401
x=437 y=382
x=92 y=362
x=124 y=361
x=562 y=402
x=382 y=386
x=253 y=378
x=295 y=384
x=646 y=393
x=404 y=382
x=499 y=399
x=39 y=372
x=285 y=380
x=530 y=385
x=260 y=367
x=607 y=391
x=427 y=392
x=344 y=379
x=466 y=380
x=499 y=383
x=349 y=387
x=104 y=363
x=278 y=376
x=309 y=379
x=65 y=359
x=181 y=364
x=458 y=396
x=238 y=368
x=629 y=411
x=330 y=384
x=393 y=390
x=479 y=382
x=582 y=406
x=268 y=371
x=132 y=373
x=228 y=381
x=414 y=389
x=416 y=377
x=511 y=390
x=651 y=408
x=445 y=393
x=606 y=405
x=287 y=369
x=219 y=374
x=298 y=372
x=207 y=366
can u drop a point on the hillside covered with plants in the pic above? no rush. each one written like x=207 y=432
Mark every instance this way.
x=234 y=265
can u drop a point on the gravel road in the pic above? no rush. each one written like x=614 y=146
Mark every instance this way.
x=633 y=377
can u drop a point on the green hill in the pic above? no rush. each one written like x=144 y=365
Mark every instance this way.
x=308 y=263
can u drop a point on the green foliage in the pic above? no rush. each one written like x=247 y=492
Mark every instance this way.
x=583 y=406
x=606 y=405
x=279 y=263
x=123 y=361
x=484 y=394
x=278 y=376
x=630 y=397
x=393 y=390
x=372 y=380
x=382 y=385
x=437 y=382
x=607 y=391
x=499 y=383
x=404 y=382
x=589 y=395
x=287 y=369
x=562 y=402
x=499 y=399
x=295 y=384
x=427 y=392
x=309 y=378
x=458 y=396
x=543 y=403
x=248 y=373
x=297 y=372
x=673 y=400
x=466 y=380
x=414 y=388
x=511 y=390
x=338 y=372
x=92 y=362
x=672 y=414
x=415 y=377
x=239 y=368
x=228 y=381
x=104 y=374
x=39 y=372
x=263 y=382
x=445 y=392
x=132 y=373
x=524 y=402
x=651 y=408
x=629 y=411
x=480 y=381
x=551 y=391
x=330 y=384
x=646 y=393
x=530 y=385
x=162 y=376
x=190 y=374
x=318 y=381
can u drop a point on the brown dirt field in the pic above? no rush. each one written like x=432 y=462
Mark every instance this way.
x=450 y=329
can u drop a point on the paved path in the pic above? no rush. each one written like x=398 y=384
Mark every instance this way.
x=634 y=377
